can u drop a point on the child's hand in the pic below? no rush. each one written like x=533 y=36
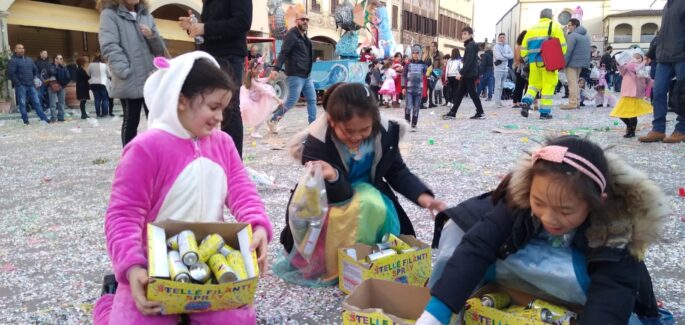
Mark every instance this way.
x=427 y=201
x=330 y=174
x=138 y=280
x=260 y=242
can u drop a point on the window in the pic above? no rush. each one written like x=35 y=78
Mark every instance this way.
x=334 y=6
x=647 y=32
x=395 y=17
x=623 y=33
x=316 y=5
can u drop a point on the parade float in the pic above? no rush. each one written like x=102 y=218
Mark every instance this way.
x=364 y=24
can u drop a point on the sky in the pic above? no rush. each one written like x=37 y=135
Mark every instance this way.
x=488 y=13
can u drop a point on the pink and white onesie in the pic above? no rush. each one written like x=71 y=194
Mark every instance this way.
x=165 y=174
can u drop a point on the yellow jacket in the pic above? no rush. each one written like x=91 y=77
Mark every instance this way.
x=537 y=34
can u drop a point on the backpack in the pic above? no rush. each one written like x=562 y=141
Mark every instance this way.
x=551 y=52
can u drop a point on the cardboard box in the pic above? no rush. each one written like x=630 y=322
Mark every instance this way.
x=411 y=268
x=477 y=314
x=381 y=302
x=178 y=297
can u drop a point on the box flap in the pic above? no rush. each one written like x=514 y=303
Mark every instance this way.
x=394 y=299
x=157 y=262
x=412 y=241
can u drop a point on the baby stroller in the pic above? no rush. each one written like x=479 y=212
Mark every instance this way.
x=509 y=85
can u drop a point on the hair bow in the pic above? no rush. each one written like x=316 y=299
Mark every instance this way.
x=559 y=154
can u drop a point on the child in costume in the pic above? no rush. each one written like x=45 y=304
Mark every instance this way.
x=388 y=89
x=633 y=92
x=570 y=221
x=358 y=150
x=183 y=168
x=258 y=100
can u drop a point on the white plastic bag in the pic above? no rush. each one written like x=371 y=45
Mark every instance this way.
x=308 y=209
x=594 y=73
x=644 y=72
x=563 y=78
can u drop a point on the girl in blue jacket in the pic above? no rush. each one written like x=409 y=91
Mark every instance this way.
x=570 y=221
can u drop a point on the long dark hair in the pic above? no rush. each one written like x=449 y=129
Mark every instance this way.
x=205 y=77
x=343 y=101
x=247 y=81
x=522 y=35
x=456 y=54
x=568 y=175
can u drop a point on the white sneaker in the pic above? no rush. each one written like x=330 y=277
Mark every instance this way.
x=413 y=128
x=272 y=126
x=256 y=135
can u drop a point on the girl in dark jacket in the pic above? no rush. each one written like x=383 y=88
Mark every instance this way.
x=571 y=221
x=354 y=144
x=82 y=86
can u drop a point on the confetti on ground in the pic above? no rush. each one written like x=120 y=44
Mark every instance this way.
x=53 y=248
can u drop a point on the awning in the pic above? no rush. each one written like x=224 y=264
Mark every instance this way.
x=47 y=15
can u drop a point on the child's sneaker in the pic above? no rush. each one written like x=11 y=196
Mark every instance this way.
x=272 y=126
x=544 y=116
x=413 y=128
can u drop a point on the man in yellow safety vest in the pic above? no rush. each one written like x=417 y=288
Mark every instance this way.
x=539 y=79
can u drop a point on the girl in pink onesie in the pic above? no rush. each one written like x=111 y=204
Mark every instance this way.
x=183 y=168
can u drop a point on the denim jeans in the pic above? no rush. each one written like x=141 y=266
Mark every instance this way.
x=487 y=80
x=500 y=78
x=297 y=85
x=101 y=99
x=664 y=73
x=30 y=93
x=57 y=104
x=43 y=95
x=411 y=112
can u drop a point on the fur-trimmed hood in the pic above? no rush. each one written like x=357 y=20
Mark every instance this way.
x=320 y=126
x=635 y=223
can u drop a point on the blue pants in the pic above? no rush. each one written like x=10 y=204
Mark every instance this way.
x=101 y=99
x=44 y=96
x=57 y=104
x=487 y=80
x=411 y=112
x=664 y=73
x=30 y=93
x=296 y=86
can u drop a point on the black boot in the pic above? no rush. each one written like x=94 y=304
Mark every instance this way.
x=407 y=117
x=109 y=285
x=630 y=132
x=84 y=115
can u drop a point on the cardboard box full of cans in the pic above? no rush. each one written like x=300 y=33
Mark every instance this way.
x=187 y=295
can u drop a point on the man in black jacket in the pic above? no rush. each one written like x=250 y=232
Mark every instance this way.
x=224 y=25
x=42 y=63
x=670 y=57
x=467 y=75
x=296 y=54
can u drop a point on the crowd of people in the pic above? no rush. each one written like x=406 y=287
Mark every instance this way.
x=184 y=168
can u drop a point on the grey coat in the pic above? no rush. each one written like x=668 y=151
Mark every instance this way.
x=127 y=50
x=578 y=52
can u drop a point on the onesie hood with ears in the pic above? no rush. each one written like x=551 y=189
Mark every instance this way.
x=163 y=88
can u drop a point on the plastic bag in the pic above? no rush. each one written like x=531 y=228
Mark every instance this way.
x=644 y=72
x=307 y=210
x=594 y=73
x=562 y=77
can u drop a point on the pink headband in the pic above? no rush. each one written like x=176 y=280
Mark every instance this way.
x=559 y=154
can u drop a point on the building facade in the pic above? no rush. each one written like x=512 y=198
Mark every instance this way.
x=453 y=16
x=606 y=24
x=637 y=27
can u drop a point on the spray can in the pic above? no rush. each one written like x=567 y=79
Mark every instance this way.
x=497 y=300
x=209 y=246
x=177 y=270
x=395 y=242
x=198 y=39
x=560 y=313
x=187 y=246
x=222 y=271
x=543 y=315
x=200 y=272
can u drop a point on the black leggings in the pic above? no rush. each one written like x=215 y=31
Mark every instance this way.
x=129 y=127
x=521 y=85
x=466 y=85
x=630 y=122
